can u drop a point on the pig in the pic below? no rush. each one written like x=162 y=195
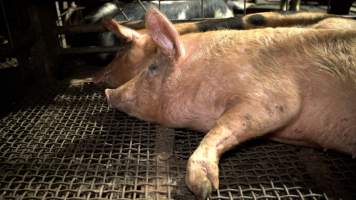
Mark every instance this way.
x=139 y=46
x=292 y=85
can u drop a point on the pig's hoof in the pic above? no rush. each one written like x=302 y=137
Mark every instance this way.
x=202 y=175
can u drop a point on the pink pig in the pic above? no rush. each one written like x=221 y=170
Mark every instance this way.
x=293 y=85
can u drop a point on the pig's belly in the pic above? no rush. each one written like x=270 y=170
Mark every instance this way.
x=328 y=123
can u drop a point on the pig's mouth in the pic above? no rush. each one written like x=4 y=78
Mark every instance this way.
x=119 y=103
x=101 y=77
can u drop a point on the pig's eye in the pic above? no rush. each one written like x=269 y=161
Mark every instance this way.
x=153 y=69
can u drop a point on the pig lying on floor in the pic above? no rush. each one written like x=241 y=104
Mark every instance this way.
x=140 y=46
x=293 y=85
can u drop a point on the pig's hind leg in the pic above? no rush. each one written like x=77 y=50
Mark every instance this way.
x=238 y=124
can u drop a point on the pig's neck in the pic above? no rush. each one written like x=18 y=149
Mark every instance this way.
x=190 y=96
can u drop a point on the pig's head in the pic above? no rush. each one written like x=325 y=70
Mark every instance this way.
x=142 y=95
x=130 y=59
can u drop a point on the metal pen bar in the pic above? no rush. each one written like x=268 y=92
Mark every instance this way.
x=87 y=50
x=287 y=6
x=6 y=24
x=124 y=14
x=118 y=5
x=142 y=5
x=62 y=38
x=244 y=7
x=92 y=28
x=202 y=8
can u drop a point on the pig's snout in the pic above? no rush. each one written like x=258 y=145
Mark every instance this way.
x=118 y=98
x=122 y=98
x=108 y=94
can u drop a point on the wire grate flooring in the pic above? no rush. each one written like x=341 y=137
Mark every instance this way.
x=65 y=143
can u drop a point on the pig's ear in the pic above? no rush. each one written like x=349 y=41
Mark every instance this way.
x=164 y=34
x=120 y=30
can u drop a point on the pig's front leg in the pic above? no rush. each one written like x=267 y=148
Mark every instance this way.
x=238 y=124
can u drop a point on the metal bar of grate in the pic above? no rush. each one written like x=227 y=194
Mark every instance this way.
x=65 y=143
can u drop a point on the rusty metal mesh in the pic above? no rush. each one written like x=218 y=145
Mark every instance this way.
x=67 y=144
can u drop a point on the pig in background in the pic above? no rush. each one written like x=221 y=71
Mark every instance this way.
x=292 y=85
x=139 y=46
x=175 y=10
x=212 y=8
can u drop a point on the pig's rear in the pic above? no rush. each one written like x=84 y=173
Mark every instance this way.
x=324 y=66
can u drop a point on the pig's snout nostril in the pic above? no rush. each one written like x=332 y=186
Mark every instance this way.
x=108 y=94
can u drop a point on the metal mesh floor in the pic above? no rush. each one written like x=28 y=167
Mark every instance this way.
x=67 y=144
